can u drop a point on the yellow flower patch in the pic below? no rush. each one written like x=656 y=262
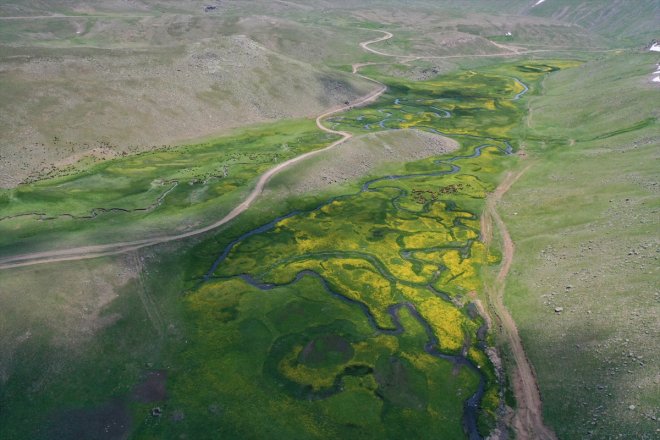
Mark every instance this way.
x=317 y=378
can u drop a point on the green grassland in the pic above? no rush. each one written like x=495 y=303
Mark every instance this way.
x=350 y=315
x=375 y=250
x=584 y=219
x=347 y=312
x=467 y=103
x=149 y=193
x=407 y=238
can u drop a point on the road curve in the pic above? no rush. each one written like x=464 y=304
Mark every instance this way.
x=528 y=420
x=365 y=44
x=95 y=251
x=510 y=51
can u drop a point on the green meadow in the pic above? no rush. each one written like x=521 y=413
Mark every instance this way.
x=348 y=315
x=584 y=219
x=358 y=297
x=151 y=193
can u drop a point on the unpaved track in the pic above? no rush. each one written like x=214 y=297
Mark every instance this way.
x=510 y=51
x=528 y=417
x=86 y=252
x=365 y=45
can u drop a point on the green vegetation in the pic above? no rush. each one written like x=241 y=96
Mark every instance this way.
x=357 y=301
x=410 y=238
x=144 y=194
x=467 y=97
x=377 y=249
x=584 y=220
x=305 y=364
x=469 y=103
x=348 y=311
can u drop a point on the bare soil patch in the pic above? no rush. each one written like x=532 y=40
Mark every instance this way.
x=362 y=155
x=528 y=417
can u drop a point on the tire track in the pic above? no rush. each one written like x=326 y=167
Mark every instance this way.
x=527 y=420
x=150 y=306
x=86 y=252
x=528 y=416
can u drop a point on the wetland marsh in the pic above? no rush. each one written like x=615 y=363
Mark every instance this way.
x=365 y=220
x=392 y=268
x=360 y=300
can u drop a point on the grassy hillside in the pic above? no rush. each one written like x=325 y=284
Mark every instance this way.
x=127 y=83
x=584 y=218
x=632 y=23
x=343 y=303
x=131 y=76
x=351 y=315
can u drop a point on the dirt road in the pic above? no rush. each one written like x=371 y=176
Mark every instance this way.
x=527 y=421
x=510 y=51
x=528 y=417
x=86 y=252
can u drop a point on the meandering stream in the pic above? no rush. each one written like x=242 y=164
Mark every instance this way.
x=471 y=405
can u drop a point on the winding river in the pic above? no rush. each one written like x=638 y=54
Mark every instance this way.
x=471 y=405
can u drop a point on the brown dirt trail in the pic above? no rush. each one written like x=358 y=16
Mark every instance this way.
x=86 y=252
x=528 y=420
x=528 y=417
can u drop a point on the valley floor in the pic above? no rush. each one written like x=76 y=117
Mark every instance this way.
x=454 y=251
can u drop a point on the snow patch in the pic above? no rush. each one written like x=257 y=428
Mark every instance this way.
x=656 y=78
x=538 y=3
x=655 y=47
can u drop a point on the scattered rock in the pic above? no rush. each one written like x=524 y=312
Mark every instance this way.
x=559 y=309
